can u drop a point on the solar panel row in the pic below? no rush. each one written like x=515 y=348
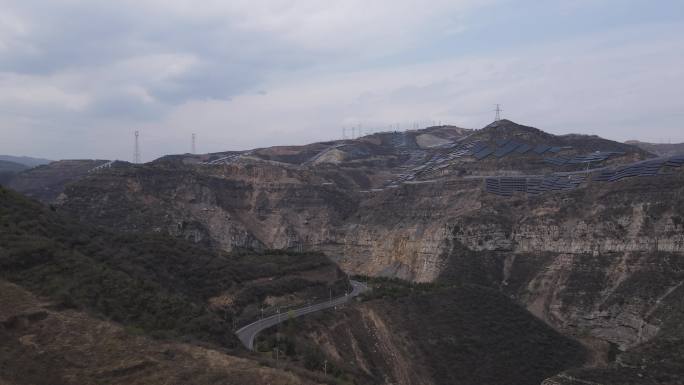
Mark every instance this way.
x=598 y=156
x=478 y=146
x=436 y=162
x=502 y=142
x=540 y=149
x=556 y=161
x=506 y=149
x=507 y=146
x=483 y=153
x=507 y=186
x=675 y=161
x=226 y=159
x=523 y=148
x=645 y=168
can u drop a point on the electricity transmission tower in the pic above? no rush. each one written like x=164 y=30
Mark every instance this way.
x=194 y=137
x=136 y=149
x=498 y=112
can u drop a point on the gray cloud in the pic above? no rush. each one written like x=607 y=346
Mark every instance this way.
x=253 y=73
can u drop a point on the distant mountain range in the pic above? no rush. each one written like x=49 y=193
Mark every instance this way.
x=660 y=149
x=10 y=166
x=6 y=166
x=25 y=160
x=9 y=169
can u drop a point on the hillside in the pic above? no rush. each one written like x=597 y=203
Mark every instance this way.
x=155 y=285
x=582 y=232
x=45 y=343
x=422 y=334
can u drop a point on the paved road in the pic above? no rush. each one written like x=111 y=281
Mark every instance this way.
x=248 y=333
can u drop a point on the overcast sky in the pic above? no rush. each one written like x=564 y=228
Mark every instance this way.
x=78 y=77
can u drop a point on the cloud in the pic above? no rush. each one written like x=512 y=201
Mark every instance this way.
x=80 y=75
x=178 y=51
x=580 y=86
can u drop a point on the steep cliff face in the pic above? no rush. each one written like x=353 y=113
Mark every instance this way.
x=599 y=260
x=230 y=207
x=458 y=335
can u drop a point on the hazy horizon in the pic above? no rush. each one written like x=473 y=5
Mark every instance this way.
x=78 y=78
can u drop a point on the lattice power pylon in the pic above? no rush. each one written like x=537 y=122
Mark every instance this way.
x=136 y=149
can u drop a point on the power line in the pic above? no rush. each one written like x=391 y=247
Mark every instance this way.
x=136 y=148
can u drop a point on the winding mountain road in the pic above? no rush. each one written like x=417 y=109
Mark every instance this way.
x=248 y=333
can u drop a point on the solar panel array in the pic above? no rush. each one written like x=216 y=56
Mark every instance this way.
x=225 y=160
x=477 y=146
x=649 y=167
x=479 y=150
x=485 y=152
x=598 y=156
x=504 y=147
x=523 y=148
x=416 y=166
x=507 y=186
x=502 y=142
x=675 y=161
x=540 y=149
x=412 y=166
x=554 y=183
